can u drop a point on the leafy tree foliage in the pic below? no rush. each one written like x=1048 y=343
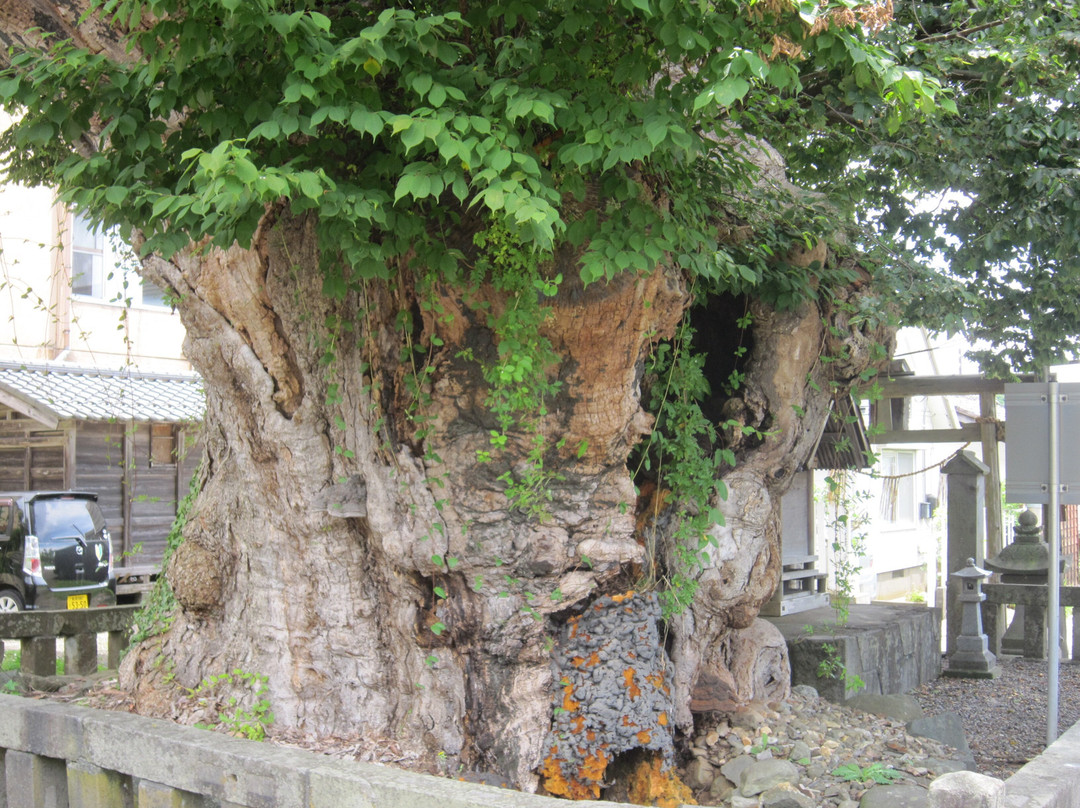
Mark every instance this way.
x=977 y=212
x=394 y=123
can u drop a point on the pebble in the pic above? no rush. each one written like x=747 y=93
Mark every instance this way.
x=806 y=738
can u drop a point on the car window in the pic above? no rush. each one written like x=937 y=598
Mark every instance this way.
x=6 y=507
x=53 y=518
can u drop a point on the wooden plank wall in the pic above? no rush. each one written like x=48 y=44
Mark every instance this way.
x=143 y=495
x=31 y=456
x=113 y=459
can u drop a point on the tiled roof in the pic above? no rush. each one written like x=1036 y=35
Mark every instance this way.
x=47 y=392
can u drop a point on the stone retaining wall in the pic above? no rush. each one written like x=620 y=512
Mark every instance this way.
x=63 y=756
x=891 y=647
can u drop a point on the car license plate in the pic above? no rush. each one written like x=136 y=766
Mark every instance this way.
x=78 y=601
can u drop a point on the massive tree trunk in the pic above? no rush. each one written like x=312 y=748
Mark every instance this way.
x=383 y=583
x=354 y=542
x=379 y=578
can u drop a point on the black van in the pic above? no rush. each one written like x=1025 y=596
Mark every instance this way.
x=55 y=552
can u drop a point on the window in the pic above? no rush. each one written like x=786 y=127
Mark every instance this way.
x=152 y=294
x=5 y=519
x=898 y=486
x=87 y=258
x=162 y=445
x=104 y=267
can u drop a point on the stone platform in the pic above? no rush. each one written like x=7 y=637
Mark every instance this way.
x=891 y=647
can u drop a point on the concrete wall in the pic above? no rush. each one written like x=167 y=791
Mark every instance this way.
x=63 y=756
x=891 y=647
x=55 y=755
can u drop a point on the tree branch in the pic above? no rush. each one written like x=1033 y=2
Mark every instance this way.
x=962 y=33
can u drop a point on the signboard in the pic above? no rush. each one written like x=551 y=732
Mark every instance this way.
x=1027 y=449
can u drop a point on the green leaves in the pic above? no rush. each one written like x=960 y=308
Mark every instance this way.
x=723 y=93
x=394 y=124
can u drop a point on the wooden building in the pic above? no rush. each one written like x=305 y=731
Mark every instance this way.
x=132 y=438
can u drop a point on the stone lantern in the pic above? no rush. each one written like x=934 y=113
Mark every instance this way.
x=1025 y=561
x=972 y=658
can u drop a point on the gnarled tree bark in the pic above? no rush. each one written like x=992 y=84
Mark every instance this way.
x=379 y=577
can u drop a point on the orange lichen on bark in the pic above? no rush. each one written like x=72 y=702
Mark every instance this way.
x=631 y=688
x=593 y=768
x=554 y=781
x=662 y=719
x=621 y=598
x=644 y=737
x=594 y=659
x=651 y=784
x=655 y=679
x=577 y=661
x=577 y=724
x=568 y=702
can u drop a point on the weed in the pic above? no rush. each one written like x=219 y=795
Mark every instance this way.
x=832 y=667
x=875 y=772
x=762 y=745
x=12 y=659
x=848 y=522
x=234 y=717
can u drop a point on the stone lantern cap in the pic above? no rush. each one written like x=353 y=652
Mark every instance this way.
x=972 y=573
x=1028 y=554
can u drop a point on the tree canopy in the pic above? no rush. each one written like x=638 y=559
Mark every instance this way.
x=396 y=122
x=432 y=258
x=974 y=214
x=391 y=122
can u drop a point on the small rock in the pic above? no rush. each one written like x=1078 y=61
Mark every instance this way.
x=946 y=728
x=894 y=797
x=721 y=789
x=784 y=796
x=734 y=768
x=761 y=775
x=712 y=738
x=806 y=691
x=699 y=774
x=966 y=790
x=738 y=801
x=746 y=718
x=800 y=750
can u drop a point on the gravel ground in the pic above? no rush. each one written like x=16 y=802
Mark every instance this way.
x=1005 y=718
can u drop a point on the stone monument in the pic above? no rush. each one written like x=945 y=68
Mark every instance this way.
x=972 y=658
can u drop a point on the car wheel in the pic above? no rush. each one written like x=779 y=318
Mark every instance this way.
x=10 y=601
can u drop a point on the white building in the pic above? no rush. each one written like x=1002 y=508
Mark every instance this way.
x=69 y=294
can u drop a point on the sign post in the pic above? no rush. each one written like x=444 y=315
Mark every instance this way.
x=1037 y=473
